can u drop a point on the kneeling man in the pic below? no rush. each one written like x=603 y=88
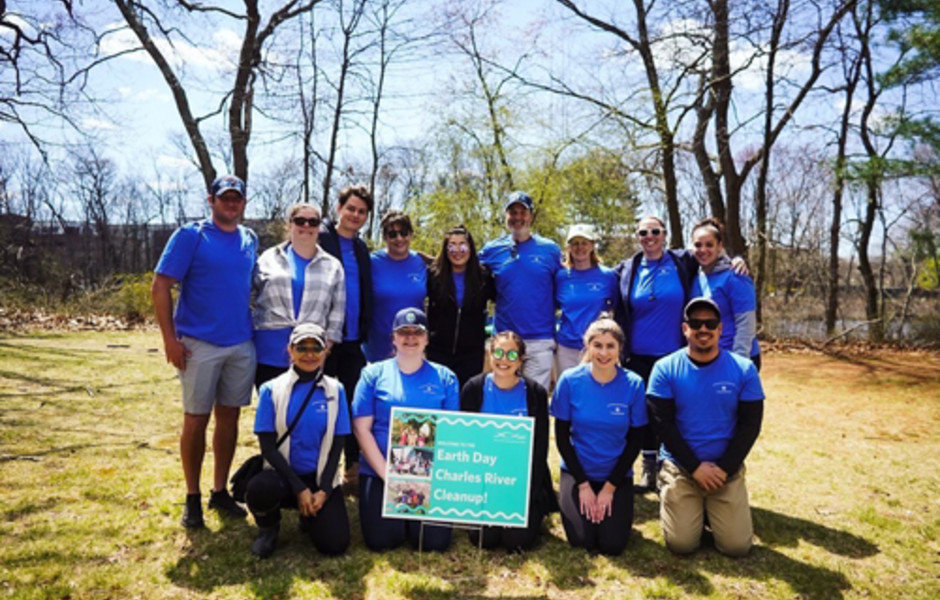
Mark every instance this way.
x=707 y=406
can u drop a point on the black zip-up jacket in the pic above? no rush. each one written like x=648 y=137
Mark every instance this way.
x=458 y=329
x=329 y=241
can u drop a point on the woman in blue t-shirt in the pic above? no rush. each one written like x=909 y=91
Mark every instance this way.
x=600 y=416
x=295 y=282
x=399 y=280
x=583 y=290
x=302 y=471
x=505 y=391
x=458 y=290
x=408 y=380
x=733 y=293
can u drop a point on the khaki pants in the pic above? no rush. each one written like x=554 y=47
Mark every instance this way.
x=683 y=505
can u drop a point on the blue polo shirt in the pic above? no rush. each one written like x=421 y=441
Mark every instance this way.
x=600 y=414
x=382 y=386
x=525 y=284
x=307 y=436
x=657 y=300
x=582 y=296
x=706 y=398
x=396 y=284
x=214 y=269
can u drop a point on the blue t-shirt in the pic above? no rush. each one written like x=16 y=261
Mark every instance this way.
x=600 y=414
x=396 y=284
x=353 y=300
x=214 y=269
x=734 y=294
x=706 y=398
x=460 y=285
x=657 y=300
x=382 y=385
x=271 y=344
x=525 y=284
x=307 y=436
x=510 y=402
x=582 y=296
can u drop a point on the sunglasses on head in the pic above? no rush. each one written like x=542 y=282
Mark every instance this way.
x=653 y=232
x=313 y=348
x=710 y=324
x=511 y=355
x=301 y=221
x=392 y=234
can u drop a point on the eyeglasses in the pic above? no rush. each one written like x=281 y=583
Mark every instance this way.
x=392 y=234
x=301 y=221
x=653 y=232
x=710 y=324
x=309 y=349
x=455 y=248
x=511 y=355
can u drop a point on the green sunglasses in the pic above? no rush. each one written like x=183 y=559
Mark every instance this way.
x=512 y=355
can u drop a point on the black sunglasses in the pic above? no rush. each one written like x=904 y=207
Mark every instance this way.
x=710 y=324
x=392 y=234
x=301 y=221
x=645 y=232
x=309 y=348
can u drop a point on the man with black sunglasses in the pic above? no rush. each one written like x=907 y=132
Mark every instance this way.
x=707 y=406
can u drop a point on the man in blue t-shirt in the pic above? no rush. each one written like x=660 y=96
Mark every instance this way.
x=208 y=337
x=346 y=360
x=524 y=266
x=707 y=406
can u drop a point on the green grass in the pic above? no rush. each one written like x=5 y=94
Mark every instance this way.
x=844 y=483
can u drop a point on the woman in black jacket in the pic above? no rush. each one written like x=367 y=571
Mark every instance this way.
x=506 y=392
x=458 y=289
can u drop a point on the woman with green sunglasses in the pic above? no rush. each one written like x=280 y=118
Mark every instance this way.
x=505 y=391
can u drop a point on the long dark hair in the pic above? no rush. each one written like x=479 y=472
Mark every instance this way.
x=441 y=273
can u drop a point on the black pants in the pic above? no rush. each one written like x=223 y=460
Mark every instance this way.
x=345 y=363
x=464 y=365
x=607 y=537
x=384 y=534
x=265 y=373
x=268 y=493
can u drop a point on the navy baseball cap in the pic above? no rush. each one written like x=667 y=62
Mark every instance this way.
x=519 y=197
x=410 y=317
x=700 y=302
x=224 y=183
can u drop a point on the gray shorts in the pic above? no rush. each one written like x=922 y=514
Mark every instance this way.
x=217 y=375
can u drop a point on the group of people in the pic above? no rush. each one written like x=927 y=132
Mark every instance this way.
x=656 y=355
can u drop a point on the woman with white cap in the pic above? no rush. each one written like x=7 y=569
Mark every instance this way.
x=583 y=290
x=407 y=380
x=301 y=423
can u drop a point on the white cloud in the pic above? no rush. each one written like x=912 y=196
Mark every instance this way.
x=180 y=53
x=91 y=123
x=173 y=162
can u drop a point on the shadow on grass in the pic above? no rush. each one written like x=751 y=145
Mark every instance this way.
x=776 y=529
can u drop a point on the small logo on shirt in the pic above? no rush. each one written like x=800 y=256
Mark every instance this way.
x=594 y=286
x=723 y=387
x=617 y=410
x=320 y=407
x=430 y=388
x=414 y=277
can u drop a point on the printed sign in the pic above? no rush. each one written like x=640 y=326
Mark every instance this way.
x=458 y=467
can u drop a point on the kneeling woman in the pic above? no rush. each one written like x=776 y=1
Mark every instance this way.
x=301 y=472
x=600 y=416
x=410 y=381
x=505 y=392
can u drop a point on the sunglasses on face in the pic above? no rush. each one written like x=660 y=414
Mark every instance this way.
x=301 y=221
x=653 y=232
x=392 y=234
x=309 y=348
x=710 y=324
x=511 y=355
x=409 y=331
x=458 y=248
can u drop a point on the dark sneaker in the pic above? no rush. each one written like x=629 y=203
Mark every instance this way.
x=266 y=542
x=224 y=503
x=192 y=512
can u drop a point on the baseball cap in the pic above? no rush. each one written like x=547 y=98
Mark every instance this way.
x=410 y=317
x=700 y=302
x=518 y=197
x=224 y=183
x=581 y=230
x=308 y=331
